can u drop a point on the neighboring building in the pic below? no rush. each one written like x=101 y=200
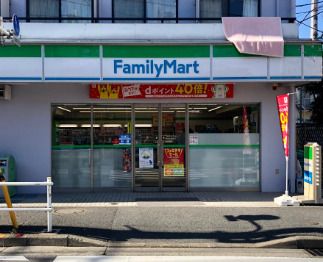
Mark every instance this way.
x=149 y=95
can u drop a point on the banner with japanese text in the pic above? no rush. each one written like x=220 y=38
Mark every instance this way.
x=282 y=104
x=144 y=91
x=174 y=161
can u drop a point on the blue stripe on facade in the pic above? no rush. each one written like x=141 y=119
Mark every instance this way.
x=285 y=77
x=156 y=79
x=313 y=77
x=72 y=78
x=240 y=78
x=20 y=78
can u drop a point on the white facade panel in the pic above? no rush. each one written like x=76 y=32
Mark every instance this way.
x=311 y=70
x=72 y=69
x=288 y=67
x=239 y=68
x=20 y=69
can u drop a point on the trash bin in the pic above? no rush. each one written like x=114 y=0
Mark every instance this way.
x=8 y=168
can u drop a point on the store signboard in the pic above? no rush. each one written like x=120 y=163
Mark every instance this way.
x=173 y=161
x=146 y=157
x=156 y=69
x=146 y=91
x=282 y=104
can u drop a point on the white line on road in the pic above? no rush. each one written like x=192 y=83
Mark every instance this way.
x=13 y=258
x=181 y=259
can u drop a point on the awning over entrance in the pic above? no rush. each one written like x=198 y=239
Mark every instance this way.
x=255 y=35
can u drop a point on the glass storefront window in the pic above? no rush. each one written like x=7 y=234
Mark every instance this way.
x=71 y=147
x=224 y=146
x=112 y=146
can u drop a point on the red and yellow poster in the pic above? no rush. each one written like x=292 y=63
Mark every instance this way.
x=142 y=91
x=174 y=161
x=282 y=104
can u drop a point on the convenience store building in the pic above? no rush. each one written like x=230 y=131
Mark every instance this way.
x=168 y=112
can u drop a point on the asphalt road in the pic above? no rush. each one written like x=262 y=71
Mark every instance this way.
x=176 y=224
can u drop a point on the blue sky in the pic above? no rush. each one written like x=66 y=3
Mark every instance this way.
x=304 y=31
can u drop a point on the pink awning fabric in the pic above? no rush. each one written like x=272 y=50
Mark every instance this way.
x=255 y=35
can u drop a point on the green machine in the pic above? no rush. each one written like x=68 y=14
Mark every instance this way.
x=8 y=170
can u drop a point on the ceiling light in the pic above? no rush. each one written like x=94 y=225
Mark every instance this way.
x=67 y=125
x=216 y=108
x=64 y=109
x=111 y=125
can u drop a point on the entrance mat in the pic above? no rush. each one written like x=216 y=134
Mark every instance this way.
x=157 y=199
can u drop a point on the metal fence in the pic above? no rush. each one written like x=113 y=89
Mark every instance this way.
x=48 y=207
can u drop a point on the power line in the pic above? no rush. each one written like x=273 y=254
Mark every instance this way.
x=300 y=22
x=318 y=2
x=306 y=18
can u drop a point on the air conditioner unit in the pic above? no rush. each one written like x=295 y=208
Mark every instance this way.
x=4 y=8
x=5 y=92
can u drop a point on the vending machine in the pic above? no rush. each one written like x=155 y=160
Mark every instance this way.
x=8 y=170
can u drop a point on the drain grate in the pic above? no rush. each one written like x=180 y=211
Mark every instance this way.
x=157 y=199
x=315 y=252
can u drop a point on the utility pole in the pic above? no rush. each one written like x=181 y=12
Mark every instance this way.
x=314 y=10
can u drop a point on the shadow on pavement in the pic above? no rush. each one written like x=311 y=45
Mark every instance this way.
x=134 y=234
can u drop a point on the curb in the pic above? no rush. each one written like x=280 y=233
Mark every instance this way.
x=52 y=239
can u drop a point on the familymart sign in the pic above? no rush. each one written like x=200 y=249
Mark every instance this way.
x=156 y=63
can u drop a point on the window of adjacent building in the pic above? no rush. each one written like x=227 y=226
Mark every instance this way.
x=217 y=8
x=161 y=9
x=144 y=10
x=59 y=9
x=129 y=9
x=43 y=8
x=80 y=8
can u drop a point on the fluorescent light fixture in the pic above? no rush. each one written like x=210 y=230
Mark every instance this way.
x=177 y=108
x=89 y=125
x=111 y=125
x=64 y=109
x=105 y=111
x=102 y=108
x=143 y=125
x=216 y=108
x=146 y=111
x=194 y=111
x=67 y=125
x=199 y=108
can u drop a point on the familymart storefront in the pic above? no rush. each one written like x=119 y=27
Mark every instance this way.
x=151 y=118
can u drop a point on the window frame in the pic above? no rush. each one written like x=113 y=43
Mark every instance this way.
x=60 y=17
x=145 y=18
x=225 y=10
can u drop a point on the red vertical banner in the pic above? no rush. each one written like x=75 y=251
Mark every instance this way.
x=282 y=104
x=174 y=162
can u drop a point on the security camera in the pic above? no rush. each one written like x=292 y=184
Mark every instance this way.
x=274 y=86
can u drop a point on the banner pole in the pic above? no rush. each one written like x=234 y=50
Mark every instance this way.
x=286 y=188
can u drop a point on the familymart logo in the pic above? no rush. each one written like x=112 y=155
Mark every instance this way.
x=159 y=68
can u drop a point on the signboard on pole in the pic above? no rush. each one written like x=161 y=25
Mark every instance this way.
x=282 y=104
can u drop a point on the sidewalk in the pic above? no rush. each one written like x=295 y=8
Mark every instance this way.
x=221 y=199
x=196 y=219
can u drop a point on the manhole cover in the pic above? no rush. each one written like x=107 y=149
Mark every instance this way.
x=69 y=211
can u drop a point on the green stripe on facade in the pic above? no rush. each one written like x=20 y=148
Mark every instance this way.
x=228 y=51
x=313 y=50
x=231 y=51
x=22 y=51
x=292 y=50
x=156 y=51
x=308 y=152
x=75 y=51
